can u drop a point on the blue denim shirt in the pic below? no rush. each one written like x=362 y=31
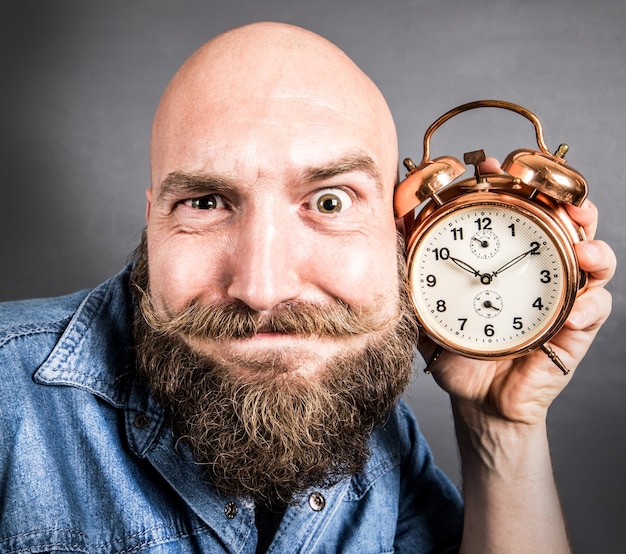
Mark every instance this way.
x=87 y=464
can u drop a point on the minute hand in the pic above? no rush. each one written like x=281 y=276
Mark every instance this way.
x=513 y=262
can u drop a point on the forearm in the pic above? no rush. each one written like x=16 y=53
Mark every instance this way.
x=511 y=502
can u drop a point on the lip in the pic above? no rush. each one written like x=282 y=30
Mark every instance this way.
x=264 y=340
x=313 y=345
x=275 y=339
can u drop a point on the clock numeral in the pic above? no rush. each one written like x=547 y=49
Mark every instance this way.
x=431 y=280
x=441 y=253
x=538 y=304
x=535 y=248
x=483 y=223
x=441 y=305
x=457 y=233
x=512 y=227
x=517 y=323
x=463 y=321
x=489 y=330
x=545 y=276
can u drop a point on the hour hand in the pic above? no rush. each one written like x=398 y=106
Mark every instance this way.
x=485 y=278
x=465 y=266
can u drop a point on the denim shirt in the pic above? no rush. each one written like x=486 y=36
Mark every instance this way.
x=88 y=465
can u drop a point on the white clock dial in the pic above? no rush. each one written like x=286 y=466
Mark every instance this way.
x=487 y=279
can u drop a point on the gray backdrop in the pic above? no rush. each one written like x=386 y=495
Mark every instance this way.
x=80 y=81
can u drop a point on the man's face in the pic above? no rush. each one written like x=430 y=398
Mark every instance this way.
x=268 y=201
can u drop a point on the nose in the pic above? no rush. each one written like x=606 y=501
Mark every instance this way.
x=265 y=260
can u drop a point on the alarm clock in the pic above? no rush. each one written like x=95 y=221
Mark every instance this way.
x=491 y=266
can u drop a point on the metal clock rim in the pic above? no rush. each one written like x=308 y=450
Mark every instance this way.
x=557 y=234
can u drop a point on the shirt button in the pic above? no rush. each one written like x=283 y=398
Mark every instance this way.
x=142 y=421
x=230 y=510
x=317 y=501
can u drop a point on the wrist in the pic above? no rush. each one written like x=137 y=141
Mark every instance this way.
x=499 y=444
x=508 y=485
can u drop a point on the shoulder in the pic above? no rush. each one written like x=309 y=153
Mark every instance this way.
x=31 y=329
x=394 y=446
x=402 y=442
x=35 y=316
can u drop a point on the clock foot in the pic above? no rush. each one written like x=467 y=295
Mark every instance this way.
x=433 y=359
x=557 y=361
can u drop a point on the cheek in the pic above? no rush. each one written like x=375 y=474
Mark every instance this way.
x=180 y=273
x=364 y=274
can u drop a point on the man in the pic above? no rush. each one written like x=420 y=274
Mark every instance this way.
x=237 y=388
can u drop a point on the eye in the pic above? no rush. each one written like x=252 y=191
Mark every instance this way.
x=208 y=202
x=330 y=201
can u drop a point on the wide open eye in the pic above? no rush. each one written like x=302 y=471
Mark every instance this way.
x=208 y=202
x=330 y=201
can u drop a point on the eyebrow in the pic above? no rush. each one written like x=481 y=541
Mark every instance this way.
x=357 y=162
x=177 y=183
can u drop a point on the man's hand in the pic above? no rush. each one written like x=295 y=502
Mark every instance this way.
x=500 y=409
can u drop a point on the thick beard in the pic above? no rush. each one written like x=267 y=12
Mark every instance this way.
x=268 y=433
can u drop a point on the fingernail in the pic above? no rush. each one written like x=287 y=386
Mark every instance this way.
x=574 y=320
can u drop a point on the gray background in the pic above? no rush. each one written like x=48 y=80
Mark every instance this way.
x=80 y=81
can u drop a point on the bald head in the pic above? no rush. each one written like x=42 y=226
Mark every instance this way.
x=261 y=71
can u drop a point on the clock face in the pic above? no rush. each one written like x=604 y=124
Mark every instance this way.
x=487 y=279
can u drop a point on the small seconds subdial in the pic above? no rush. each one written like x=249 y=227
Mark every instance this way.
x=488 y=303
x=485 y=244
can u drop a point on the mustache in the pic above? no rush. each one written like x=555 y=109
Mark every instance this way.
x=236 y=320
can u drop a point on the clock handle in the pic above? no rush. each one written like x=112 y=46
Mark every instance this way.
x=485 y=104
x=546 y=172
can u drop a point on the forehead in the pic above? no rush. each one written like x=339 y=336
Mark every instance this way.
x=260 y=135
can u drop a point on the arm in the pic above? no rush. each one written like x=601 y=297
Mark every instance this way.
x=500 y=411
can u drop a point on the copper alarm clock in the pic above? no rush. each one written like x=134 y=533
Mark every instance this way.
x=491 y=263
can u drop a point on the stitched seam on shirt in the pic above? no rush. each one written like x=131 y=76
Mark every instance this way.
x=173 y=534
x=361 y=483
x=46 y=530
x=30 y=329
x=73 y=532
x=73 y=547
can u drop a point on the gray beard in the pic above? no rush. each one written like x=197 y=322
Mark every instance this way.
x=268 y=433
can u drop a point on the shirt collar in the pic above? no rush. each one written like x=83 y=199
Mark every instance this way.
x=95 y=351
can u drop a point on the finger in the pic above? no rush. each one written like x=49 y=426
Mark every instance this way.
x=597 y=258
x=590 y=310
x=586 y=216
x=490 y=165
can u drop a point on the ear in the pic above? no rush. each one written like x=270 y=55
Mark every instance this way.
x=148 y=203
